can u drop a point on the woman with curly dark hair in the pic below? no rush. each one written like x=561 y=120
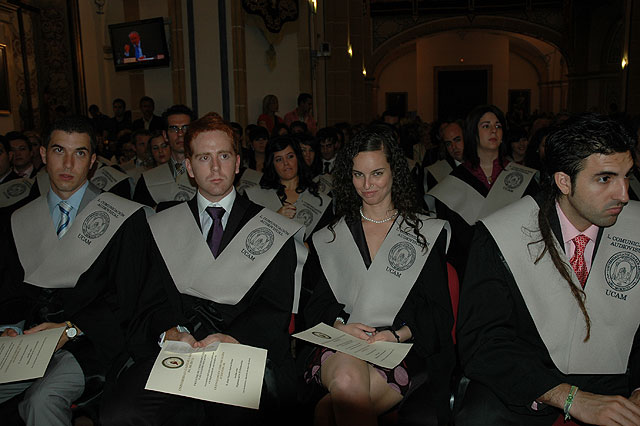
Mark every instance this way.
x=379 y=274
x=287 y=187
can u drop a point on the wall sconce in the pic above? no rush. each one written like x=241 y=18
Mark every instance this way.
x=99 y=5
x=625 y=62
x=314 y=5
x=350 y=51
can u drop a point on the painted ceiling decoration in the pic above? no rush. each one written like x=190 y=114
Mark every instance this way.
x=274 y=13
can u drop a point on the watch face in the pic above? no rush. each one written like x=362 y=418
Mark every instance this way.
x=72 y=332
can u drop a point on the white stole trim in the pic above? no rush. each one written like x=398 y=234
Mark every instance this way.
x=611 y=289
x=249 y=179
x=309 y=208
x=163 y=187
x=325 y=183
x=374 y=296
x=107 y=177
x=228 y=278
x=265 y=197
x=440 y=170
x=50 y=262
x=14 y=190
x=460 y=197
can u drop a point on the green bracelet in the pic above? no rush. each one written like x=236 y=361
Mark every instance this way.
x=569 y=401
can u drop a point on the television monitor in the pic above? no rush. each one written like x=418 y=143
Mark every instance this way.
x=139 y=44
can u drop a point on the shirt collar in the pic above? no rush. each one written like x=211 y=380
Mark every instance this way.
x=226 y=203
x=569 y=232
x=25 y=173
x=74 y=201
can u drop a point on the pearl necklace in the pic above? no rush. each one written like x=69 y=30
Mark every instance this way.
x=378 y=221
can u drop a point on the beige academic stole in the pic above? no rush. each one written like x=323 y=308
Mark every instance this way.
x=265 y=197
x=374 y=296
x=14 y=190
x=103 y=160
x=132 y=170
x=228 y=278
x=610 y=289
x=163 y=187
x=325 y=183
x=42 y=180
x=309 y=210
x=470 y=205
x=440 y=170
x=249 y=179
x=50 y=262
x=107 y=177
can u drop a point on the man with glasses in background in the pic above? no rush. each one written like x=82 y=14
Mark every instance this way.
x=169 y=182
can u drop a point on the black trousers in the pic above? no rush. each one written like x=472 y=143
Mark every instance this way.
x=127 y=402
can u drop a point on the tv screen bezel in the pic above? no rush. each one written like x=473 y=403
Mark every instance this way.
x=156 y=63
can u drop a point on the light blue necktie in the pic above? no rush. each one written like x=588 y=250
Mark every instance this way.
x=63 y=225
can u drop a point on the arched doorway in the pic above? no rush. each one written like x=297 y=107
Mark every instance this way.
x=442 y=67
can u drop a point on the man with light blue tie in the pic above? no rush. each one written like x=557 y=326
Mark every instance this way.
x=68 y=259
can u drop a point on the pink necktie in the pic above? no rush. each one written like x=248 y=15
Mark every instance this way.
x=577 y=262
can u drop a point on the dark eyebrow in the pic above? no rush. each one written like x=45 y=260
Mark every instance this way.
x=376 y=170
x=606 y=173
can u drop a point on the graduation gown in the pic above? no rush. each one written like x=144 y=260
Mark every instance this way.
x=426 y=311
x=261 y=318
x=499 y=344
x=461 y=231
x=102 y=302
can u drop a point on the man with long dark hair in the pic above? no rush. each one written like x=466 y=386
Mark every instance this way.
x=547 y=320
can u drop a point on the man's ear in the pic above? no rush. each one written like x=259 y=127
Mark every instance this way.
x=563 y=182
x=187 y=163
x=43 y=154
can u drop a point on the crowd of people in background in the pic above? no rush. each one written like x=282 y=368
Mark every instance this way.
x=410 y=191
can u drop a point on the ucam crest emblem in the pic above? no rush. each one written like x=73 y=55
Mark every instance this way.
x=513 y=180
x=99 y=181
x=182 y=196
x=259 y=241
x=95 y=225
x=622 y=271
x=16 y=189
x=305 y=216
x=402 y=256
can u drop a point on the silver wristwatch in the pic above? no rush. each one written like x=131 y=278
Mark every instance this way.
x=71 y=331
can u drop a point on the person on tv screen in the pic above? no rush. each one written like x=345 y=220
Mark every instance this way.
x=134 y=49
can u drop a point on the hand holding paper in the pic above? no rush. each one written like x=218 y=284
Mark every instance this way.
x=228 y=373
x=384 y=354
x=26 y=356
